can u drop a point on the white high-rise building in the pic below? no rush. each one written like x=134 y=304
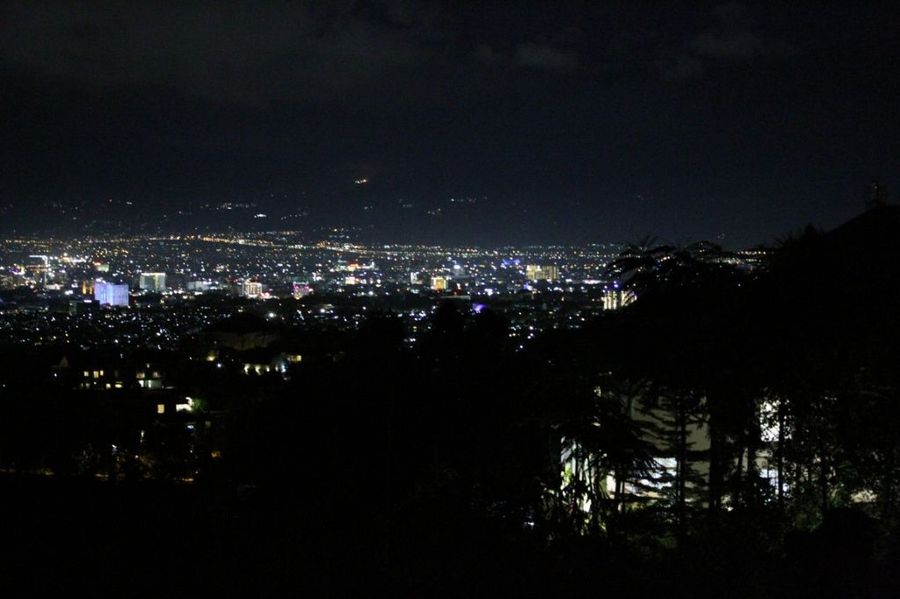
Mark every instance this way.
x=110 y=294
x=153 y=281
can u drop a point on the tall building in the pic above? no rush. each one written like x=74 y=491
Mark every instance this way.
x=251 y=289
x=439 y=283
x=537 y=272
x=110 y=294
x=41 y=270
x=153 y=281
x=551 y=272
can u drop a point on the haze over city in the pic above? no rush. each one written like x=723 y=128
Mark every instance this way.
x=434 y=122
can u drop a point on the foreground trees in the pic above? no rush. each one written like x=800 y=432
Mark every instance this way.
x=790 y=369
x=732 y=432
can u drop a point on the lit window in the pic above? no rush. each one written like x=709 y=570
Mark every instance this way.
x=160 y=408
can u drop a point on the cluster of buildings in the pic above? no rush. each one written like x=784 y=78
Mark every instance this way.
x=131 y=290
x=160 y=321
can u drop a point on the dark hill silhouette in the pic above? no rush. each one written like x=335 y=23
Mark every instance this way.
x=880 y=224
x=829 y=300
x=865 y=253
x=862 y=252
x=846 y=279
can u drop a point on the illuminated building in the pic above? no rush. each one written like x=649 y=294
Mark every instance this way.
x=354 y=266
x=616 y=298
x=153 y=281
x=100 y=379
x=40 y=271
x=149 y=379
x=299 y=290
x=110 y=294
x=656 y=417
x=439 y=283
x=251 y=289
x=536 y=272
x=199 y=286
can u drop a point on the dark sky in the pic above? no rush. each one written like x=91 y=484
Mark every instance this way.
x=566 y=121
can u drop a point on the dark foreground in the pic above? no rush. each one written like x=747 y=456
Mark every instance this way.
x=465 y=467
x=150 y=540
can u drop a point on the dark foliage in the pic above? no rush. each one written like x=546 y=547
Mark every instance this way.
x=435 y=470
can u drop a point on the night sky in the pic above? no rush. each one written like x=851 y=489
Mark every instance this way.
x=545 y=122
